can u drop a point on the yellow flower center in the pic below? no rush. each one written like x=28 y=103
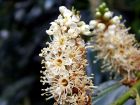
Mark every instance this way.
x=59 y=62
x=61 y=41
x=71 y=55
x=64 y=82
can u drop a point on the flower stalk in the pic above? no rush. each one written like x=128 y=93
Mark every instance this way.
x=131 y=93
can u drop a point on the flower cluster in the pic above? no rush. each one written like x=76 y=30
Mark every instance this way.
x=114 y=44
x=65 y=61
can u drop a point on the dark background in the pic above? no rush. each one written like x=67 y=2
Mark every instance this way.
x=22 y=36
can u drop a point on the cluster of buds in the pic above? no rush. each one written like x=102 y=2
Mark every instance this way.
x=114 y=45
x=65 y=61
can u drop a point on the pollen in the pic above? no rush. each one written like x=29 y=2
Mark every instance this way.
x=61 y=41
x=59 y=62
x=64 y=82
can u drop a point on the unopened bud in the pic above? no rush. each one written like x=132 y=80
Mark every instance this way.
x=101 y=26
x=92 y=24
x=115 y=19
x=62 y=9
x=98 y=14
x=108 y=15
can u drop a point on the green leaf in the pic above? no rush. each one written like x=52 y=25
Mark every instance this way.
x=104 y=89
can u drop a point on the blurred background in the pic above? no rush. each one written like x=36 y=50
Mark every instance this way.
x=22 y=36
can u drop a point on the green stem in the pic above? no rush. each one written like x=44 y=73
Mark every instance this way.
x=131 y=93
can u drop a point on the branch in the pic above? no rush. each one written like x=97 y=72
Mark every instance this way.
x=131 y=93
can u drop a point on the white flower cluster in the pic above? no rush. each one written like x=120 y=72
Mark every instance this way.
x=114 y=44
x=68 y=23
x=65 y=61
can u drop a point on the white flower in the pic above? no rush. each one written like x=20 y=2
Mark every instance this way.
x=65 y=12
x=85 y=29
x=75 y=18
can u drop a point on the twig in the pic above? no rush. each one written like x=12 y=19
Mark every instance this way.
x=131 y=93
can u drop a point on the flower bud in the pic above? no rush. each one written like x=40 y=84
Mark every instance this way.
x=101 y=26
x=108 y=15
x=98 y=14
x=115 y=19
x=62 y=9
x=92 y=24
